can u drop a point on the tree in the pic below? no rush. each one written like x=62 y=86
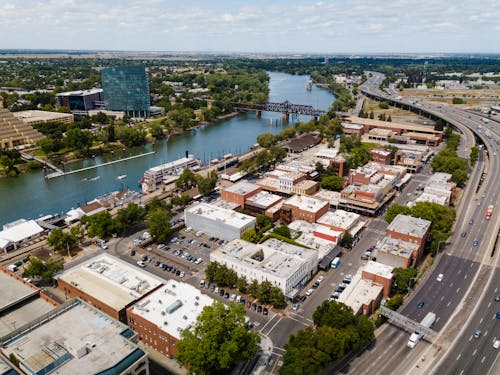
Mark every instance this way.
x=206 y=185
x=158 y=222
x=186 y=180
x=218 y=341
x=253 y=288
x=346 y=240
x=242 y=284
x=266 y=140
x=99 y=225
x=282 y=231
x=37 y=268
x=100 y=118
x=60 y=240
x=128 y=218
x=250 y=235
x=372 y=115
x=333 y=314
x=394 y=210
x=277 y=154
x=277 y=298
x=402 y=277
x=263 y=221
x=334 y=183
x=78 y=139
x=394 y=302
x=264 y=291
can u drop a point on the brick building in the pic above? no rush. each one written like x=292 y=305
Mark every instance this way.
x=380 y=274
x=239 y=192
x=381 y=156
x=410 y=229
x=160 y=317
x=306 y=208
x=108 y=283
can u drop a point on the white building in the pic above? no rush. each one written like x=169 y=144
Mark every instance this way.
x=286 y=266
x=316 y=236
x=76 y=338
x=363 y=296
x=217 y=222
x=18 y=232
x=339 y=220
x=443 y=200
x=154 y=176
x=160 y=318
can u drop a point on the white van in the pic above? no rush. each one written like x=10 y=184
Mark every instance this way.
x=12 y=267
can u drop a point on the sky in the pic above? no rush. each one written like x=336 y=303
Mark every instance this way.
x=293 y=26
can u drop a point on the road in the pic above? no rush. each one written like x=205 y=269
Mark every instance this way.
x=454 y=299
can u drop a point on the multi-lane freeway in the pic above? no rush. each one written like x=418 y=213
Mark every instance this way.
x=464 y=300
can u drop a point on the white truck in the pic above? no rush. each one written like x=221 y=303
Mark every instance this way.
x=427 y=322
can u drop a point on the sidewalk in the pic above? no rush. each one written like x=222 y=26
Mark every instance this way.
x=170 y=365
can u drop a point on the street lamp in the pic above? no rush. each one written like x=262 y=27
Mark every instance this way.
x=438 y=245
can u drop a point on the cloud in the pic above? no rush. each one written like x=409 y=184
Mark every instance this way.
x=324 y=26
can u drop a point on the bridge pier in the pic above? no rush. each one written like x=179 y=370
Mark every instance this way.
x=315 y=118
x=286 y=117
x=258 y=114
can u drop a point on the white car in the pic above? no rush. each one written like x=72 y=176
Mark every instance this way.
x=182 y=274
x=309 y=292
x=321 y=278
x=496 y=344
x=140 y=263
x=440 y=277
x=233 y=297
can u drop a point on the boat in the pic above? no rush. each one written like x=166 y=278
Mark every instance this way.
x=122 y=176
x=94 y=178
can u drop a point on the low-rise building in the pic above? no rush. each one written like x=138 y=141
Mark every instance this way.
x=19 y=232
x=300 y=207
x=380 y=274
x=75 y=338
x=108 y=283
x=332 y=197
x=88 y=209
x=410 y=229
x=302 y=143
x=160 y=318
x=20 y=302
x=15 y=133
x=286 y=266
x=396 y=253
x=316 y=236
x=381 y=156
x=239 y=192
x=305 y=187
x=445 y=189
x=34 y=117
x=433 y=198
x=217 y=222
x=261 y=202
x=362 y=296
x=339 y=220
x=154 y=176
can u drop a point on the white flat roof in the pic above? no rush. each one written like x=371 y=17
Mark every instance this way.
x=339 y=219
x=230 y=217
x=264 y=199
x=173 y=307
x=280 y=258
x=396 y=247
x=309 y=239
x=24 y=229
x=433 y=198
x=36 y=115
x=306 y=203
x=410 y=225
x=331 y=196
x=379 y=269
x=110 y=280
x=91 y=341
x=13 y=290
x=171 y=165
x=360 y=292
x=242 y=187
x=328 y=153
x=439 y=177
x=80 y=92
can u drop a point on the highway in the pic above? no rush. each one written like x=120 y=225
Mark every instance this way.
x=455 y=299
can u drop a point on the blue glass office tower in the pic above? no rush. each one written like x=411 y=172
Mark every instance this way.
x=126 y=89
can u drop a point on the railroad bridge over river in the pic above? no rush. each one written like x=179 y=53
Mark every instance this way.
x=286 y=108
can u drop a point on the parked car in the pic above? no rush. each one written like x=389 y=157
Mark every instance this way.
x=226 y=295
x=321 y=278
x=295 y=306
x=315 y=285
x=440 y=277
x=182 y=274
x=259 y=309
x=302 y=299
x=132 y=253
x=265 y=311
x=221 y=292
x=140 y=263
x=309 y=292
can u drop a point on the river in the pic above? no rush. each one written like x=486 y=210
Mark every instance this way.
x=30 y=196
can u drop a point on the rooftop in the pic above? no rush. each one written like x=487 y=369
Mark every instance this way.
x=327 y=195
x=433 y=198
x=306 y=203
x=264 y=199
x=80 y=92
x=22 y=313
x=385 y=124
x=35 y=115
x=327 y=153
x=74 y=338
x=20 y=231
x=339 y=219
x=111 y=280
x=360 y=292
x=220 y=214
x=439 y=177
x=173 y=307
x=309 y=239
x=13 y=290
x=243 y=188
x=410 y=225
x=396 y=247
x=179 y=163
x=280 y=259
x=379 y=269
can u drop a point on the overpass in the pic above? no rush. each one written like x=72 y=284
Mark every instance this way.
x=286 y=108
